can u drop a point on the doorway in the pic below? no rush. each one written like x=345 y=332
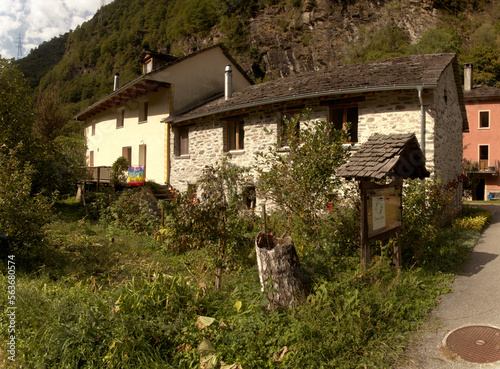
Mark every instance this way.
x=480 y=189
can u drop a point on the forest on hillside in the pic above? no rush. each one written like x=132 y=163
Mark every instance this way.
x=269 y=38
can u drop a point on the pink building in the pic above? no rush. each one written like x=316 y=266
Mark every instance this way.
x=482 y=142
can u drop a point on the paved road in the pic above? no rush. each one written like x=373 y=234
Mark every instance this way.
x=475 y=300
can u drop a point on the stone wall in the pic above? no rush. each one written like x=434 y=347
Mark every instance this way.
x=448 y=134
x=448 y=129
x=382 y=112
x=398 y=112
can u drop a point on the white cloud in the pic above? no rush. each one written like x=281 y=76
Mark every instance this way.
x=40 y=20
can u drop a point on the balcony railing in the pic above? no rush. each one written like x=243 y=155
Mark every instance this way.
x=482 y=167
x=98 y=174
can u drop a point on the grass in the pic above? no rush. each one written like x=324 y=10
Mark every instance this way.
x=109 y=298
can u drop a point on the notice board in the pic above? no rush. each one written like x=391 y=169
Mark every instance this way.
x=384 y=209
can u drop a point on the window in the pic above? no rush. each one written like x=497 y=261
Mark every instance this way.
x=484 y=119
x=143 y=112
x=93 y=129
x=340 y=116
x=127 y=154
x=91 y=158
x=483 y=156
x=235 y=136
x=285 y=130
x=183 y=141
x=120 y=118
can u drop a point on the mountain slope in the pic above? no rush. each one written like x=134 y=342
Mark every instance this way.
x=269 y=38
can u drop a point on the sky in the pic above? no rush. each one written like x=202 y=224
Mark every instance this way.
x=36 y=21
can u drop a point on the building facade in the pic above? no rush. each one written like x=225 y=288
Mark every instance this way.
x=481 y=148
x=420 y=94
x=191 y=112
x=128 y=122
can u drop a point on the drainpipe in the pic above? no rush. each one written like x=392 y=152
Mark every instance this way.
x=167 y=153
x=422 y=120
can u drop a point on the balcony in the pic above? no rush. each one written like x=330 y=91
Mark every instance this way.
x=483 y=168
x=98 y=174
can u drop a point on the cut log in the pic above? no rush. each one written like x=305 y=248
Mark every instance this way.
x=279 y=271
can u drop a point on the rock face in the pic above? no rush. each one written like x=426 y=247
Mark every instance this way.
x=319 y=33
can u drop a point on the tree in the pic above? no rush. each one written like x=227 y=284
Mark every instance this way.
x=301 y=178
x=22 y=215
x=212 y=215
x=16 y=111
x=49 y=117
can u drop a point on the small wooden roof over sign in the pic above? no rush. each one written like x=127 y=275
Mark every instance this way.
x=396 y=155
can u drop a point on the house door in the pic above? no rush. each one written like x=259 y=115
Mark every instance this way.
x=480 y=189
x=142 y=158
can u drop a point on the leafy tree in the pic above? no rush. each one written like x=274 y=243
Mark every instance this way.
x=486 y=62
x=301 y=179
x=22 y=215
x=16 y=110
x=49 y=117
x=215 y=218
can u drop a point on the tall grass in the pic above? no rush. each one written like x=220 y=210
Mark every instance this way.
x=85 y=317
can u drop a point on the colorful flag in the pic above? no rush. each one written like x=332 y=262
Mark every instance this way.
x=136 y=176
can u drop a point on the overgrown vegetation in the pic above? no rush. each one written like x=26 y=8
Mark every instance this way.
x=109 y=298
x=105 y=293
x=38 y=162
x=298 y=174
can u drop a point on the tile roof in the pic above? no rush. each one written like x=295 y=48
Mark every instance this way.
x=396 y=73
x=386 y=155
x=482 y=92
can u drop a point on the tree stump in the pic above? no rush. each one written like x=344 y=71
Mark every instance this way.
x=279 y=271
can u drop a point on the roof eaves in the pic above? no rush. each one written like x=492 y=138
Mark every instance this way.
x=121 y=90
x=180 y=119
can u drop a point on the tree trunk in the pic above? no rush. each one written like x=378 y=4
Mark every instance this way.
x=279 y=271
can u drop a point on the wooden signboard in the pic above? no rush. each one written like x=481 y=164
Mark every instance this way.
x=381 y=215
x=384 y=210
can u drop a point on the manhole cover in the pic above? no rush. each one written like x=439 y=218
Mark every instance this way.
x=475 y=343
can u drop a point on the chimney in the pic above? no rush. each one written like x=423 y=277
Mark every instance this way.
x=228 y=86
x=468 y=77
x=116 y=83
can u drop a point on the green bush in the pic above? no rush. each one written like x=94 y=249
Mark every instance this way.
x=119 y=171
x=300 y=178
x=96 y=204
x=22 y=215
x=425 y=212
x=131 y=210
x=472 y=218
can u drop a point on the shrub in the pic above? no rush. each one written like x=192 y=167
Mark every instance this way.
x=426 y=210
x=472 y=218
x=119 y=171
x=22 y=215
x=215 y=219
x=132 y=210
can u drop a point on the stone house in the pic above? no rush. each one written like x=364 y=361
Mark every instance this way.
x=418 y=94
x=481 y=147
x=186 y=113
x=127 y=122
